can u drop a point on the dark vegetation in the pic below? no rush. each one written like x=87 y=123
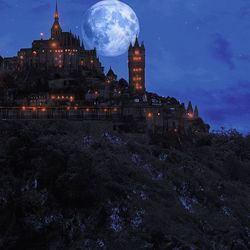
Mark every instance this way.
x=66 y=185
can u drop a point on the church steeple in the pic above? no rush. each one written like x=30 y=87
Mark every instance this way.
x=56 y=30
x=56 y=14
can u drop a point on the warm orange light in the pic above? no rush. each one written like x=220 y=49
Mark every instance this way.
x=71 y=98
x=115 y=109
x=137 y=69
x=137 y=52
x=23 y=108
x=91 y=61
x=21 y=57
x=190 y=115
x=137 y=78
x=150 y=115
x=105 y=110
x=68 y=108
x=159 y=114
x=34 y=53
x=87 y=110
x=75 y=108
x=34 y=109
x=138 y=86
x=137 y=58
x=43 y=109
x=53 y=45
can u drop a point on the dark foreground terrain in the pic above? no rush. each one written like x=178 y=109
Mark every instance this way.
x=71 y=185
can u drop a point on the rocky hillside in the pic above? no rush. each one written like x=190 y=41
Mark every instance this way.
x=76 y=186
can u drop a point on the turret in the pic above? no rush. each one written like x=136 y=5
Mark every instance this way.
x=82 y=45
x=190 y=107
x=136 y=42
x=111 y=76
x=196 y=112
x=182 y=109
x=190 y=111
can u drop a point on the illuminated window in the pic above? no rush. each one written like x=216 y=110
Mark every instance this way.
x=136 y=78
x=138 y=86
x=137 y=58
x=137 y=69
x=137 y=52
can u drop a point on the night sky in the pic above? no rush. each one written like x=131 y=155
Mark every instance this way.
x=197 y=50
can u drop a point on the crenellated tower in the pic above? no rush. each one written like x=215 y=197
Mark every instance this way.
x=56 y=30
x=136 y=65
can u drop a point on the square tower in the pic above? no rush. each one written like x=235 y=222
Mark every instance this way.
x=136 y=66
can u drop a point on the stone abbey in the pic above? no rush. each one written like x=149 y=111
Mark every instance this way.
x=59 y=78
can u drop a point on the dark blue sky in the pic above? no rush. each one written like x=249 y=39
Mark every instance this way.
x=197 y=50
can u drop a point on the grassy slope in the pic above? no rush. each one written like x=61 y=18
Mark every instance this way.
x=68 y=185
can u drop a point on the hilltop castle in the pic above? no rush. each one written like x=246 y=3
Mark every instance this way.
x=62 y=50
x=59 y=78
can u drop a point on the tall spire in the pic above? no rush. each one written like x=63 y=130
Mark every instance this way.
x=56 y=15
x=56 y=28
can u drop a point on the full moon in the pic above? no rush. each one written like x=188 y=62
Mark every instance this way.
x=110 y=26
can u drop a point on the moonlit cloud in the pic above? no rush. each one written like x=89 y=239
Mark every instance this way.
x=221 y=50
